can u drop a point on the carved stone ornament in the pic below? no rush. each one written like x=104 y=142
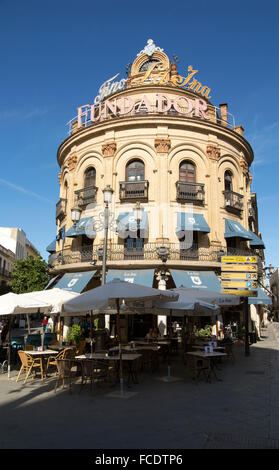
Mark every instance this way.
x=60 y=177
x=150 y=48
x=72 y=162
x=109 y=149
x=162 y=145
x=213 y=152
x=245 y=167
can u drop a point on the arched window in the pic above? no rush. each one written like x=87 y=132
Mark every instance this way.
x=89 y=177
x=135 y=171
x=187 y=172
x=228 y=181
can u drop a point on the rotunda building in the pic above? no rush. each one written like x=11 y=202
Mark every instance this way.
x=175 y=170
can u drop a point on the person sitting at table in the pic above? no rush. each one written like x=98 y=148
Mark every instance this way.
x=227 y=339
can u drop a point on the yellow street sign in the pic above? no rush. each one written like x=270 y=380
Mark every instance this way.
x=239 y=259
x=241 y=293
x=239 y=267
x=245 y=276
x=243 y=284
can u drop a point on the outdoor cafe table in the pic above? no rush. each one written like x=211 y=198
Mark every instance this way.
x=212 y=356
x=44 y=354
x=129 y=358
x=215 y=348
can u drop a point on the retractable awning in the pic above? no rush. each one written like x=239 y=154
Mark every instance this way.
x=84 y=227
x=234 y=229
x=143 y=277
x=75 y=282
x=256 y=241
x=196 y=279
x=191 y=222
x=127 y=225
x=51 y=248
x=261 y=299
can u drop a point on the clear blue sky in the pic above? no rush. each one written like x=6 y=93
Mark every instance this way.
x=56 y=54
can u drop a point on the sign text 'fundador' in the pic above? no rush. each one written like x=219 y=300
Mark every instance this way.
x=126 y=105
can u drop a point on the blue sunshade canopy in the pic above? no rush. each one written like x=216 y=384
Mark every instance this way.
x=256 y=241
x=234 y=229
x=127 y=225
x=75 y=282
x=144 y=277
x=191 y=222
x=51 y=248
x=84 y=227
x=205 y=280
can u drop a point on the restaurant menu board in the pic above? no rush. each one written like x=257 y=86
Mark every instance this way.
x=239 y=275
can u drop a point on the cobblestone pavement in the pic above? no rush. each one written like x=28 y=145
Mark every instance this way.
x=241 y=411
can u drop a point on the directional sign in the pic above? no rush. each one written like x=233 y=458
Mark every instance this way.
x=245 y=276
x=239 y=267
x=239 y=259
x=243 y=284
x=241 y=293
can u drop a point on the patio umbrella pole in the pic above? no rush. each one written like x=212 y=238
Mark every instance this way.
x=120 y=349
x=91 y=333
x=10 y=346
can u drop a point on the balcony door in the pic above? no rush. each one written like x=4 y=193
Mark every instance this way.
x=134 y=248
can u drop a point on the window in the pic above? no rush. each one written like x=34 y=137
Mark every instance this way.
x=187 y=172
x=135 y=171
x=228 y=181
x=89 y=177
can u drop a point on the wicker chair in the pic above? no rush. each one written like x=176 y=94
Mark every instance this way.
x=198 y=365
x=65 y=371
x=67 y=353
x=81 y=348
x=29 y=364
x=97 y=371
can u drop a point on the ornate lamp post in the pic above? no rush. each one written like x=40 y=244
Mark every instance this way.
x=108 y=192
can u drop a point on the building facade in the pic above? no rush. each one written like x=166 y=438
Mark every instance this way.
x=7 y=258
x=178 y=167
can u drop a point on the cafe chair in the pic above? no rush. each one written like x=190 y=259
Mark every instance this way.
x=29 y=364
x=95 y=371
x=29 y=347
x=66 y=370
x=81 y=348
x=228 y=348
x=67 y=353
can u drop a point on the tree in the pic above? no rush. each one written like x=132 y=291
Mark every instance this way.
x=29 y=274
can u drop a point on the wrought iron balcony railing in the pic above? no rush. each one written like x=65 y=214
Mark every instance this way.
x=133 y=190
x=149 y=251
x=192 y=192
x=61 y=208
x=86 y=195
x=233 y=201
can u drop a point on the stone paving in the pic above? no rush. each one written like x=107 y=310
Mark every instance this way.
x=241 y=411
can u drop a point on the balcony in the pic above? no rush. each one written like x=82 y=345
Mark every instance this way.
x=86 y=196
x=61 y=209
x=233 y=201
x=148 y=252
x=133 y=190
x=190 y=192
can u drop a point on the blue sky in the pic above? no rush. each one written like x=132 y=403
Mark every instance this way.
x=56 y=54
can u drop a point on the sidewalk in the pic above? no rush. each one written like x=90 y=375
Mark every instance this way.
x=241 y=411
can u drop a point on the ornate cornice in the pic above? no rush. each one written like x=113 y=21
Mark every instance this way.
x=109 y=149
x=72 y=162
x=162 y=145
x=245 y=167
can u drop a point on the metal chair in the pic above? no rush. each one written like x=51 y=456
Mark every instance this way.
x=94 y=370
x=198 y=365
x=65 y=371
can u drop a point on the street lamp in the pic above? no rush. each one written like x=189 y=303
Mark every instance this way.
x=75 y=213
x=108 y=192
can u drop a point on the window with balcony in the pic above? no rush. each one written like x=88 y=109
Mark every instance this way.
x=187 y=189
x=233 y=200
x=134 y=248
x=135 y=187
x=189 y=246
x=87 y=194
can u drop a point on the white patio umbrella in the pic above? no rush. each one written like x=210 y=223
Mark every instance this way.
x=211 y=297
x=53 y=297
x=15 y=304
x=110 y=295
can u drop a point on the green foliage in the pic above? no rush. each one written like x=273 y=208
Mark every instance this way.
x=204 y=332
x=74 y=334
x=29 y=274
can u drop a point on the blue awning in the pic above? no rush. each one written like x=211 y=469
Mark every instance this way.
x=127 y=225
x=261 y=299
x=235 y=229
x=191 y=222
x=196 y=279
x=51 y=248
x=51 y=282
x=144 y=277
x=84 y=227
x=75 y=282
x=61 y=234
x=256 y=241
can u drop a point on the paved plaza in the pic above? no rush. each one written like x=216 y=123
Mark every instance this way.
x=241 y=411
